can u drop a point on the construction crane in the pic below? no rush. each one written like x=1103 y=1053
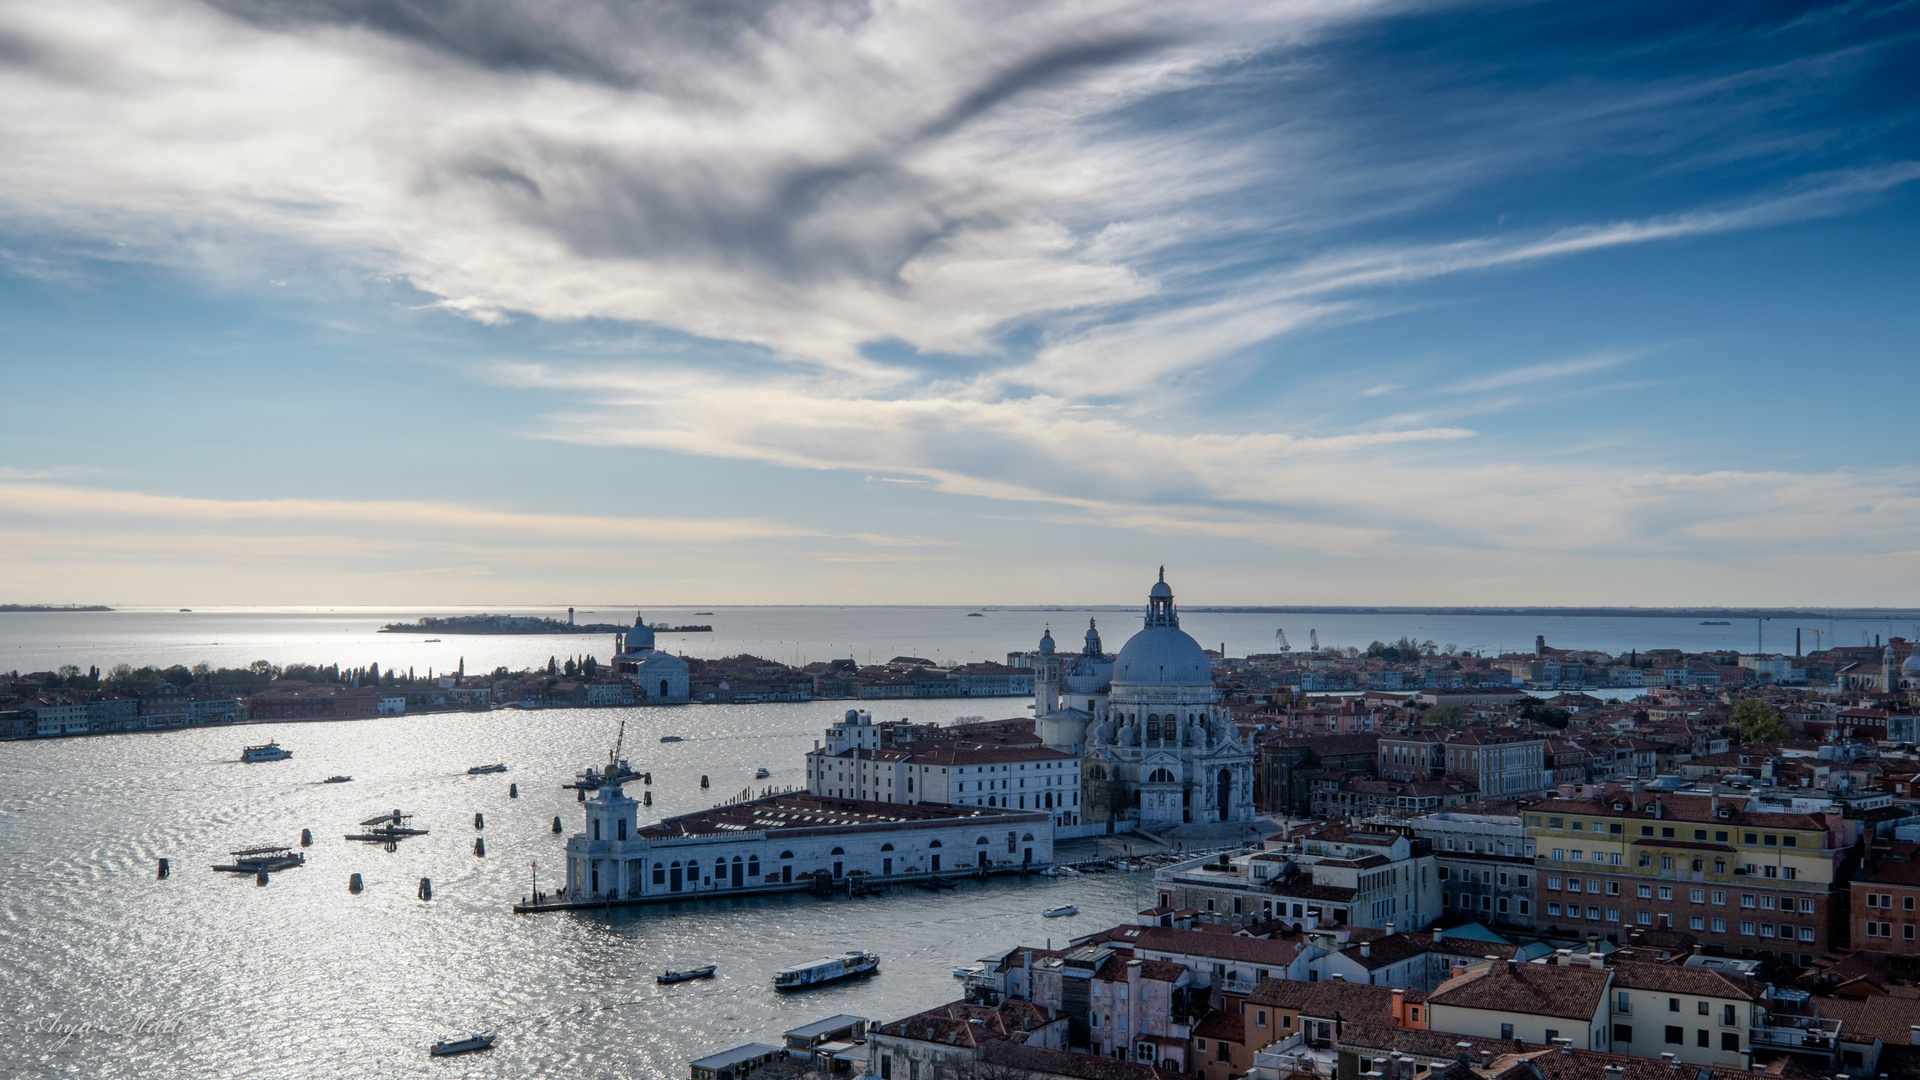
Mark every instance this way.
x=1282 y=636
x=1313 y=640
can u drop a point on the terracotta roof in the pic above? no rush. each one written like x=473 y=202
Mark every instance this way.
x=1327 y=1000
x=1040 y=1061
x=1673 y=978
x=1575 y=993
x=955 y=1024
x=1265 y=952
x=1889 y=1018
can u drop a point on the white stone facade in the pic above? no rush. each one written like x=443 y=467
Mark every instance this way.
x=785 y=840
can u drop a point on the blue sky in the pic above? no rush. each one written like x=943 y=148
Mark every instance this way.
x=326 y=302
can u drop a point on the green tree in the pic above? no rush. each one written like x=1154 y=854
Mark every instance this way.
x=1756 y=721
x=1448 y=716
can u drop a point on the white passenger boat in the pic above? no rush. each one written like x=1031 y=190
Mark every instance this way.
x=827 y=969
x=270 y=752
x=463 y=1046
x=1063 y=909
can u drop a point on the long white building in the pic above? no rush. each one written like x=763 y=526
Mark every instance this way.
x=787 y=841
x=860 y=761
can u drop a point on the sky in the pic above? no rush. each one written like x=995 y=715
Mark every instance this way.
x=824 y=301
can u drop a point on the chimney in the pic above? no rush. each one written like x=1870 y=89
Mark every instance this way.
x=1439 y=934
x=1913 y=1035
x=1399 y=1009
x=1337 y=977
x=1366 y=949
x=1486 y=1059
x=1389 y=928
x=1596 y=961
x=1616 y=1072
x=1563 y=957
x=1026 y=963
x=1672 y=1060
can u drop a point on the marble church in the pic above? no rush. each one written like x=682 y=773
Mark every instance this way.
x=1157 y=750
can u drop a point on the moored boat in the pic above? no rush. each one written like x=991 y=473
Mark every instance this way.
x=272 y=751
x=467 y=1045
x=685 y=976
x=269 y=858
x=482 y=770
x=827 y=969
x=338 y=780
x=1063 y=909
x=761 y=773
x=671 y=738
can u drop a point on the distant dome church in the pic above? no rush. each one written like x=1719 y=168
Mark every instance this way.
x=659 y=676
x=1156 y=748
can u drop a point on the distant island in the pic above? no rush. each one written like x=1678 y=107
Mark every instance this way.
x=54 y=607
x=522 y=624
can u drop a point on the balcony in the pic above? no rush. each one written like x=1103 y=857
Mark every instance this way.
x=1797 y=1034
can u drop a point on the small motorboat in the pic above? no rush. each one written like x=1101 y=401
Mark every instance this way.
x=430 y=641
x=671 y=738
x=975 y=615
x=761 y=773
x=463 y=1046
x=1063 y=909
x=685 y=976
x=1059 y=871
x=482 y=770
x=338 y=780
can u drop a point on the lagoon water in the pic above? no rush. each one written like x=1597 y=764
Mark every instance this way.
x=350 y=637
x=208 y=975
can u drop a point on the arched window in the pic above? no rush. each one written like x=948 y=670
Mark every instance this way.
x=1153 y=725
x=1160 y=776
x=693 y=869
x=936 y=843
x=839 y=851
x=663 y=689
x=982 y=840
x=753 y=865
x=1029 y=836
x=886 y=847
x=736 y=858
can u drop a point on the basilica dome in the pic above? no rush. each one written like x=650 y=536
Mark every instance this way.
x=1912 y=666
x=1162 y=654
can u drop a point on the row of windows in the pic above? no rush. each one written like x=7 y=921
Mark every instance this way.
x=1677 y=1036
x=1729 y=1014
x=1671 y=832
x=1464 y=902
x=1646 y=890
x=1486 y=877
x=1885 y=900
x=1885 y=930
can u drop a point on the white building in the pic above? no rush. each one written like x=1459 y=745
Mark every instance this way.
x=659 y=676
x=859 y=761
x=787 y=841
x=1158 y=750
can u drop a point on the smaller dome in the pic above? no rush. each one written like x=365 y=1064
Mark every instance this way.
x=1046 y=641
x=1161 y=591
x=1912 y=666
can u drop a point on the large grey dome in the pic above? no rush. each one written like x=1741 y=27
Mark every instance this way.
x=1162 y=656
x=1912 y=666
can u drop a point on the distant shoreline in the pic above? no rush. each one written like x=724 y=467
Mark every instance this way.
x=8 y=608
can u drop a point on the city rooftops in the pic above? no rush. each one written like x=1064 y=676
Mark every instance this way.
x=1575 y=993
x=802 y=811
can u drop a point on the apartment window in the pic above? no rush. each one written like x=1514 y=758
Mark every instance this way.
x=1526 y=907
x=1503 y=911
x=1577 y=827
x=1752 y=838
x=1553 y=823
x=1728 y=1016
x=1698 y=896
x=1613 y=914
x=1666 y=833
x=1260 y=1018
x=1806 y=933
x=1676 y=1036
x=1747 y=900
x=1730 y=1041
x=1560 y=854
x=1700 y=1038
x=1622 y=1033
x=1720 y=897
x=1789 y=841
x=1770 y=840
x=1766 y=904
x=1644 y=918
x=1788 y=872
x=1623 y=1003
x=1673 y=1004
x=1696 y=923
x=1646 y=830
x=1553 y=883
x=1906 y=901
x=1666 y=862
x=1506 y=1031
x=1522 y=880
x=1645 y=859
x=1613 y=888
x=1699 y=834
x=1645 y=891
x=1503 y=877
x=1666 y=892
x=1553 y=909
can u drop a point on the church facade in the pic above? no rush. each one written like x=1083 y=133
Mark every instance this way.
x=1157 y=750
x=660 y=677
